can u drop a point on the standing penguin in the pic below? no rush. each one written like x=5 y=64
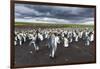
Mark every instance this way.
x=91 y=36
x=52 y=44
x=66 y=42
x=86 y=39
x=37 y=41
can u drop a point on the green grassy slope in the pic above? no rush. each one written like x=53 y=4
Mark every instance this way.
x=53 y=25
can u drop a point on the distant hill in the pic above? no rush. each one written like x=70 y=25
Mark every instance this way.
x=48 y=25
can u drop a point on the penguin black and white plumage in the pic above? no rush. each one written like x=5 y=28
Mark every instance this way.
x=66 y=42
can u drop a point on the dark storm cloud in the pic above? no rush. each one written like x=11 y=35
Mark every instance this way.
x=70 y=14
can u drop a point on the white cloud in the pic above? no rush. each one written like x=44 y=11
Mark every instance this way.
x=43 y=20
x=17 y=14
x=21 y=9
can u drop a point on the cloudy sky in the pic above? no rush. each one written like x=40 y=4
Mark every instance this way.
x=53 y=14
